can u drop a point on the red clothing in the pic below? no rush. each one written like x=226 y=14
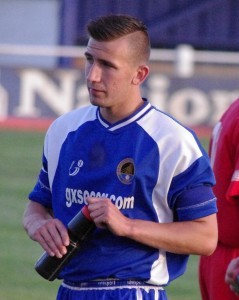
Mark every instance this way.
x=224 y=153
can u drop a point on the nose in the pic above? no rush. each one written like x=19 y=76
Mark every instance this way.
x=93 y=72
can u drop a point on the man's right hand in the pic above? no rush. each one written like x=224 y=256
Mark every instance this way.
x=50 y=233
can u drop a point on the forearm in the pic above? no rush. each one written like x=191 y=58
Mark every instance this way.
x=34 y=215
x=49 y=232
x=191 y=237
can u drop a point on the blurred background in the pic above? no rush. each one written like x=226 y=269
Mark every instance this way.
x=194 y=60
x=194 y=77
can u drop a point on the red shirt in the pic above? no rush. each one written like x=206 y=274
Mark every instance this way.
x=224 y=152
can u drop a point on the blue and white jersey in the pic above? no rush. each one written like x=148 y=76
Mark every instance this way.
x=148 y=165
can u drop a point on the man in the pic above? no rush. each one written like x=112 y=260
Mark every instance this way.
x=224 y=152
x=146 y=179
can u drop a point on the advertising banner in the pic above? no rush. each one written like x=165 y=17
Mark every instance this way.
x=36 y=93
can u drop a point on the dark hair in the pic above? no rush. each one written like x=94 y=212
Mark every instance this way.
x=111 y=27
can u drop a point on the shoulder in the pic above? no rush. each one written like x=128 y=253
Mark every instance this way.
x=231 y=115
x=229 y=122
x=160 y=125
x=73 y=119
x=177 y=144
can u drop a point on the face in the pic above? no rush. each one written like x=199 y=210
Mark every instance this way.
x=109 y=72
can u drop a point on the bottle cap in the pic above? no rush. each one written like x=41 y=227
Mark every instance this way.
x=86 y=212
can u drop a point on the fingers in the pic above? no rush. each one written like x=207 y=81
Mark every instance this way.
x=106 y=215
x=235 y=289
x=232 y=274
x=53 y=237
x=232 y=270
x=97 y=211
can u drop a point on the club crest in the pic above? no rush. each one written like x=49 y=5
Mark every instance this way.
x=126 y=170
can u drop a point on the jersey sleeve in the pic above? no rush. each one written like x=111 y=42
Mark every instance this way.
x=192 y=195
x=41 y=192
x=196 y=202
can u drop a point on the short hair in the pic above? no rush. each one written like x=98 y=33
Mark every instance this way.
x=112 y=27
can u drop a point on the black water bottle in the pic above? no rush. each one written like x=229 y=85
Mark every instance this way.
x=79 y=227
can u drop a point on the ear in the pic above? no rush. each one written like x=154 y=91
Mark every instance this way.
x=140 y=75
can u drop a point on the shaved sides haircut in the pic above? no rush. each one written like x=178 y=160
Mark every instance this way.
x=112 y=27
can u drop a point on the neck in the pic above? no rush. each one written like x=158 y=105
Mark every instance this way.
x=113 y=114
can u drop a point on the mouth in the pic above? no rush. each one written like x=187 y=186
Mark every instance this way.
x=94 y=91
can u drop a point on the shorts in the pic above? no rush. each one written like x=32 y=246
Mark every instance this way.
x=110 y=290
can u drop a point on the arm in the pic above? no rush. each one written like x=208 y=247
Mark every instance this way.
x=231 y=275
x=50 y=233
x=189 y=237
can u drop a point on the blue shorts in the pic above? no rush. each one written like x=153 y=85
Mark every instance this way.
x=110 y=290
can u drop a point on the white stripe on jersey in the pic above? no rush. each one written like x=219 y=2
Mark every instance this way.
x=64 y=124
x=168 y=169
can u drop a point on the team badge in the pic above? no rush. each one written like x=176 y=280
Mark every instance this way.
x=75 y=167
x=126 y=170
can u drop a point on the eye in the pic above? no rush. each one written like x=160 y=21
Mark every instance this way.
x=107 y=64
x=89 y=58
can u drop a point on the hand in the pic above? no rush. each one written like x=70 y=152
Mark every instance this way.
x=106 y=215
x=52 y=236
x=231 y=275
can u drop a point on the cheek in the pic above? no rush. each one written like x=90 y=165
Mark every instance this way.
x=118 y=84
x=115 y=85
x=117 y=88
x=86 y=71
x=121 y=82
x=88 y=68
x=112 y=84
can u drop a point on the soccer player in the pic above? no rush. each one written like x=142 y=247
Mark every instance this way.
x=224 y=152
x=145 y=178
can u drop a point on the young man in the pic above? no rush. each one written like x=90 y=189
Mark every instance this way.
x=146 y=179
x=224 y=152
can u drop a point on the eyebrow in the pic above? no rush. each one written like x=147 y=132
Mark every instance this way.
x=87 y=54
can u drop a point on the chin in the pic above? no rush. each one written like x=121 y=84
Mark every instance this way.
x=97 y=102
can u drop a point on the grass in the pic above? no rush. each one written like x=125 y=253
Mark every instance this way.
x=186 y=287
x=20 y=154
x=20 y=161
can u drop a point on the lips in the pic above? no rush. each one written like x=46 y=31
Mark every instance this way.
x=94 y=90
